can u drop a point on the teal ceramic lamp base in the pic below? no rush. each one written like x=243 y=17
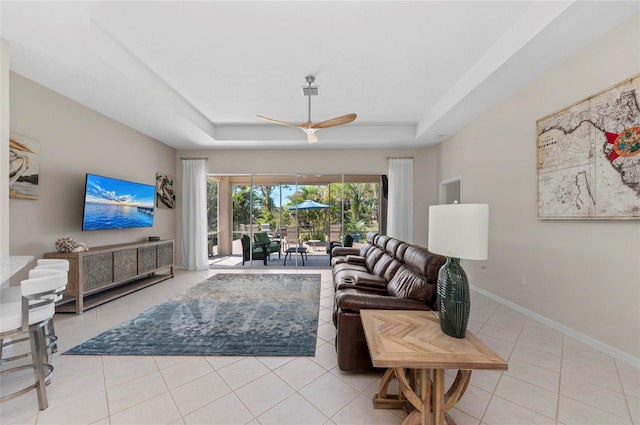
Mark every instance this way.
x=454 y=299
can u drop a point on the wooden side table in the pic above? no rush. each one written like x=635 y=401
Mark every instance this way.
x=417 y=352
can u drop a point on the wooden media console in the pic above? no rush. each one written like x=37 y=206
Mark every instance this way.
x=108 y=272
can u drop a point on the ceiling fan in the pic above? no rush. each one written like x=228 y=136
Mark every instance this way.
x=309 y=127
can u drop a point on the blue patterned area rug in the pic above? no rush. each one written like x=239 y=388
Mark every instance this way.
x=227 y=314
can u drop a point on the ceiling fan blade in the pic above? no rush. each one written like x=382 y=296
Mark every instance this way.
x=344 y=119
x=276 y=121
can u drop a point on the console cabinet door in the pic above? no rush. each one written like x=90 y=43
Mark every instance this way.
x=165 y=254
x=147 y=259
x=97 y=271
x=125 y=264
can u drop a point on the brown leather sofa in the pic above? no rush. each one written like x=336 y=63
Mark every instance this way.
x=385 y=273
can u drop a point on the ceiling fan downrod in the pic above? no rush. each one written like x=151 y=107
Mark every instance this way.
x=310 y=79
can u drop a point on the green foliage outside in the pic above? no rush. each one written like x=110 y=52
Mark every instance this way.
x=360 y=208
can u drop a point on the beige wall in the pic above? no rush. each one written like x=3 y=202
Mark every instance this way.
x=74 y=140
x=581 y=274
x=4 y=147
x=317 y=161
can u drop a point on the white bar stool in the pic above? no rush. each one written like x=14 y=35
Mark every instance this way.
x=30 y=315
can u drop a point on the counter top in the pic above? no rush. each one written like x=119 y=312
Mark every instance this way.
x=12 y=264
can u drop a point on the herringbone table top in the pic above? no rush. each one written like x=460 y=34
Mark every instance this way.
x=413 y=339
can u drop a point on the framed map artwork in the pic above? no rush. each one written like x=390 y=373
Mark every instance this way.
x=589 y=157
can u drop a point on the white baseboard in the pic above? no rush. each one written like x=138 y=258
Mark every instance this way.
x=587 y=340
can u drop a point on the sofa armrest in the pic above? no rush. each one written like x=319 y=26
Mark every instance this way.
x=342 y=251
x=369 y=281
x=354 y=300
x=356 y=259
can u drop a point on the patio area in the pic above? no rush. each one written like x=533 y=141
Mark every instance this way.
x=316 y=257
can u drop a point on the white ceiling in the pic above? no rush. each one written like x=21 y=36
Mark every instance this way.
x=194 y=75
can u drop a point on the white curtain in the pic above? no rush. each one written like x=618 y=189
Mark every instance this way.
x=194 y=215
x=400 y=206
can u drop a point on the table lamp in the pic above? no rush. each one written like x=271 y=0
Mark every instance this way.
x=457 y=231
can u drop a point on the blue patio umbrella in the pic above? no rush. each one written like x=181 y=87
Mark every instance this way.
x=309 y=205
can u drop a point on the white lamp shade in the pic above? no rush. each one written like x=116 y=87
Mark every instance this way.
x=459 y=230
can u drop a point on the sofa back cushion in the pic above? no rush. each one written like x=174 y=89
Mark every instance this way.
x=410 y=285
x=364 y=249
x=381 y=241
x=423 y=262
x=381 y=265
x=372 y=257
x=392 y=246
x=401 y=250
x=392 y=269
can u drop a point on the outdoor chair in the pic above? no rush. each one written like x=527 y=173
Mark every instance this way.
x=253 y=252
x=263 y=238
x=291 y=236
x=333 y=238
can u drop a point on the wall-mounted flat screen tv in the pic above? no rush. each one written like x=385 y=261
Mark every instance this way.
x=116 y=204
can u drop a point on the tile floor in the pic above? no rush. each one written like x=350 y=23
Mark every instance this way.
x=552 y=379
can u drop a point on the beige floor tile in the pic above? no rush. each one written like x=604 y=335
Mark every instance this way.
x=634 y=408
x=180 y=373
x=462 y=418
x=295 y=410
x=240 y=373
x=596 y=396
x=539 y=355
x=275 y=362
x=300 y=372
x=523 y=393
x=165 y=361
x=199 y=392
x=227 y=410
x=630 y=378
x=263 y=393
x=326 y=356
x=578 y=353
x=121 y=369
x=68 y=368
x=70 y=390
x=484 y=379
x=360 y=381
x=474 y=402
x=360 y=411
x=134 y=392
x=574 y=374
x=327 y=332
x=81 y=411
x=572 y=412
x=535 y=375
x=156 y=411
x=218 y=362
x=504 y=412
x=329 y=394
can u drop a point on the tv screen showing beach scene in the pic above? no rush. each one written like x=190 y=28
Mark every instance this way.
x=117 y=204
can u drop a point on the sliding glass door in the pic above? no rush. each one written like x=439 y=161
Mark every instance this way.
x=303 y=213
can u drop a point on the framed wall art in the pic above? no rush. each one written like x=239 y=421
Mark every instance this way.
x=589 y=157
x=165 y=193
x=23 y=167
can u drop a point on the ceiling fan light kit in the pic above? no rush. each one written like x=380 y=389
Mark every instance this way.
x=309 y=127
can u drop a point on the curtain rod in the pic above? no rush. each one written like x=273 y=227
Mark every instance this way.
x=399 y=157
x=186 y=159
